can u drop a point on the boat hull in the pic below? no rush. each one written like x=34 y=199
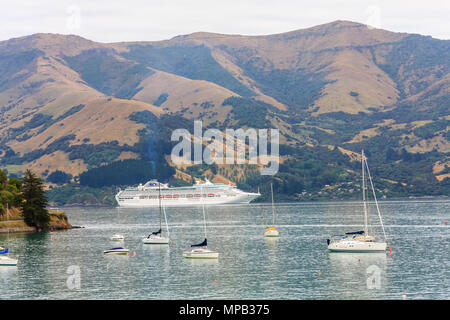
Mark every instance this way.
x=155 y=240
x=201 y=253
x=271 y=233
x=185 y=202
x=357 y=246
x=117 y=237
x=8 y=262
x=123 y=252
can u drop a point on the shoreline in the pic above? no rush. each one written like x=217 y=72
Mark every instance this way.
x=81 y=205
x=58 y=222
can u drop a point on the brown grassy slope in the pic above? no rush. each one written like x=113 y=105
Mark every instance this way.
x=340 y=49
x=184 y=95
x=50 y=87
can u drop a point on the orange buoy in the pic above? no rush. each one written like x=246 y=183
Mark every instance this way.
x=445 y=222
x=390 y=251
x=53 y=239
x=359 y=260
x=134 y=254
x=215 y=281
x=319 y=273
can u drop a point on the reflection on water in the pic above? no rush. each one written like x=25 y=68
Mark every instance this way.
x=6 y=272
x=351 y=271
x=296 y=265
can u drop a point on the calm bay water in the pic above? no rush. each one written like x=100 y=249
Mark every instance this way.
x=249 y=266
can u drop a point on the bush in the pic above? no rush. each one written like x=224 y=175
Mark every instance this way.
x=59 y=177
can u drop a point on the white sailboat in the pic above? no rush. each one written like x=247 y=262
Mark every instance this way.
x=5 y=259
x=271 y=231
x=157 y=237
x=117 y=236
x=361 y=241
x=201 y=251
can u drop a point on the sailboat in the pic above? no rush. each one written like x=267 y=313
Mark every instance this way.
x=201 y=251
x=157 y=237
x=118 y=237
x=5 y=260
x=361 y=241
x=271 y=231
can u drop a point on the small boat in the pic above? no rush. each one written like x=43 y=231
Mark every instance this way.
x=201 y=251
x=157 y=237
x=117 y=251
x=271 y=231
x=7 y=261
x=361 y=241
x=117 y=237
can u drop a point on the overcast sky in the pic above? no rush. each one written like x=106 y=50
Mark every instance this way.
x=133 y=20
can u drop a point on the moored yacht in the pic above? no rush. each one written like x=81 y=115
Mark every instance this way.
x=271 y=231
x=361 y=241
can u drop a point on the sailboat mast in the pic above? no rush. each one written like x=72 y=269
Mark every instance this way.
x=165 y=219
x=363 y=159
x=203 y=208
x=376 y=202
x=273 y=208
x=160 y=218
x=7 y=220
x=7 y=216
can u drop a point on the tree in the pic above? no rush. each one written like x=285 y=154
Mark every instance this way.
x=6 y=198
x=34 y=205
x=3 y=179
x=59 y=177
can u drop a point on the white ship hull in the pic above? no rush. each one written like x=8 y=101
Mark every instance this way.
x=205 y=194
x=139 y=203
x=357 y=246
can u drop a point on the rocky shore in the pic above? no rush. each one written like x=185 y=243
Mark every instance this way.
x=16 y=224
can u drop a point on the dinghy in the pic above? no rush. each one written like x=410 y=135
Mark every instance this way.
x=117 y=237
x=117 y=251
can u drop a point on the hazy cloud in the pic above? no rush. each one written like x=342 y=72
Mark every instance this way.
x=133 y=20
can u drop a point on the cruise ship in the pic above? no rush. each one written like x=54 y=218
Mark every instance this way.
x=207 y=193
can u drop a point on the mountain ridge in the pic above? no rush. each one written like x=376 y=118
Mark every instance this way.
x=341 y=84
